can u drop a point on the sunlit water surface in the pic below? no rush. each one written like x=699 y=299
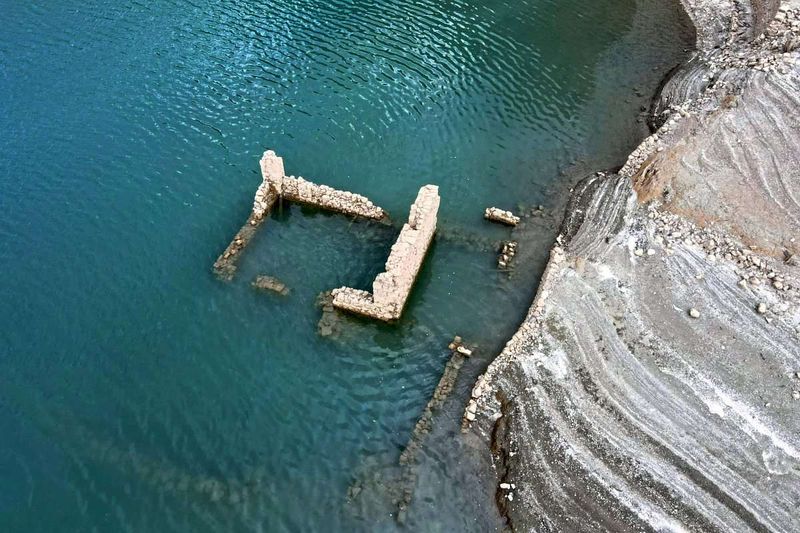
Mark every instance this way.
x=139 y=393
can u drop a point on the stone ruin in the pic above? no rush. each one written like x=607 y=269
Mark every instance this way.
x=495 y=214
x=391 y=288
x=267 y=193
x=299 y=190
x=270 y=283
x=459 y=352
x=507 y=252
x=276 y=185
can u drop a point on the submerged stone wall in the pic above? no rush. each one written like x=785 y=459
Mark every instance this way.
x=324 y=197
x=266 y=196
x=300 y=190
x=498 y=215
x=391 y=288
x=225 y=265
x=274 y=185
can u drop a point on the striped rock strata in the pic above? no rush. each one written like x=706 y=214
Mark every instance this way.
x=615 y=408
x=276 y=185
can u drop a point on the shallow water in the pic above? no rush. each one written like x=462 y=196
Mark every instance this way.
x=139 y=393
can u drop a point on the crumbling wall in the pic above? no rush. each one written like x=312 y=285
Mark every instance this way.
x=274 y=185
x=300 y=190
x=266 y=194
x=498 y=215
x=391 y=288
x=362 y=303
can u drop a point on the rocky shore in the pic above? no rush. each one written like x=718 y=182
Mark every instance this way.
x=655 y=383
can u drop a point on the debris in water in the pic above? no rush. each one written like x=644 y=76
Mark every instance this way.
x=495 y=214
x=268 y=283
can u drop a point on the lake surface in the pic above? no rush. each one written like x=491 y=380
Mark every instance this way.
x=138 y=392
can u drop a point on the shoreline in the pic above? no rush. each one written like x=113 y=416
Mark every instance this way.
x=652 y=384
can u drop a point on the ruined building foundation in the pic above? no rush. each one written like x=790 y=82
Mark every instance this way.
x=276 y=185
x=391 y=288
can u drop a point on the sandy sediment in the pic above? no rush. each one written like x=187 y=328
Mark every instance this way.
x=655 y=383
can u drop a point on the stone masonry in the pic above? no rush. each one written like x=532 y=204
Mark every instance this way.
x=495 y=214
x=391 y=288
x=266 y=194
x=299 y=190
x=274 y=185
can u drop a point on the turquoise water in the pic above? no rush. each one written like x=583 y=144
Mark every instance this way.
x=139 y=393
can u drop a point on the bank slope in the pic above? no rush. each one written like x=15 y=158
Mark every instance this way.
x=654 y=383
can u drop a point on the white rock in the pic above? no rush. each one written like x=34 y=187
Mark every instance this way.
x=464 y=351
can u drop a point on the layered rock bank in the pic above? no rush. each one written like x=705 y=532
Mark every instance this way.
x=655 y=383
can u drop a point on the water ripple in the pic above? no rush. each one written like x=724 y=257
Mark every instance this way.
x=138 y=393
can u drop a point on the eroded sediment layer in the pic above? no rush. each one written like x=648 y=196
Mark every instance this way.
x=391 y=288
x=655 y=383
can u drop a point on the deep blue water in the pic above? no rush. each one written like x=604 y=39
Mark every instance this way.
x=139 y=393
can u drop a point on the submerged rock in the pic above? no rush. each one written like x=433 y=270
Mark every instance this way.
x=495 y=214
x=269 y=283
x=408 y=457
x=329 y=324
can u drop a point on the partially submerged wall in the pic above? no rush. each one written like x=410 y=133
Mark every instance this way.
x=654 y=384
x=300 y=190
x=274 y=185
x=324 y=197
x=265 y=198
x=391 y=288
x=498 y=215
x=266 y=194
